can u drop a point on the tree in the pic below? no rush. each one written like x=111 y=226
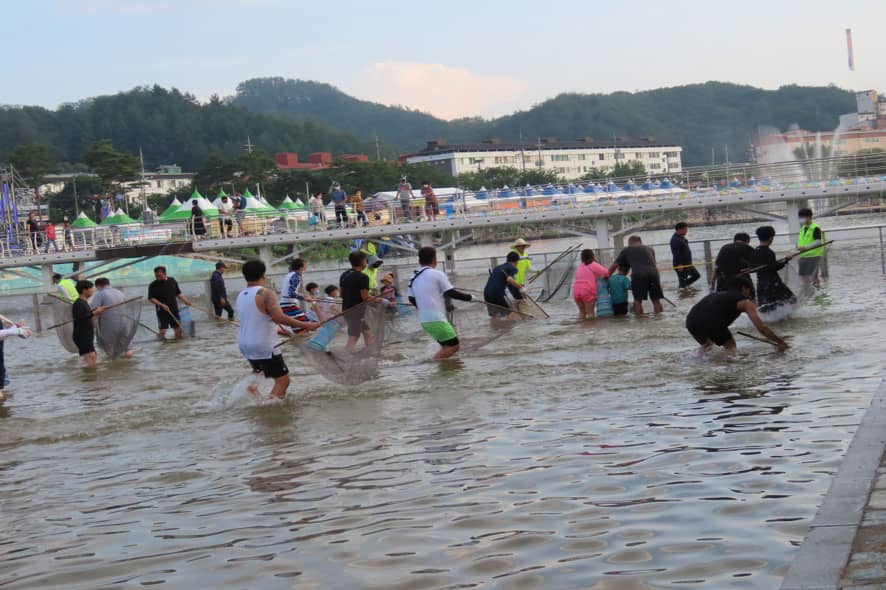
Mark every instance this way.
x=62 y=203
x=32 y=162
x=113 y=167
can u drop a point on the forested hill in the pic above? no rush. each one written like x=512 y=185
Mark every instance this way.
x=696 y=116
x=169 y=126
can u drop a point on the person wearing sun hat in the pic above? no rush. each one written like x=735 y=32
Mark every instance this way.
x=524 y=265
x=371 y=271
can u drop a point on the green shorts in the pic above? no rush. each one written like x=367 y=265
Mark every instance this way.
x=442 y=332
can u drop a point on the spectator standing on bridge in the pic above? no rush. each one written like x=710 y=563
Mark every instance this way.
x=811 y=239
x=682 y=256
x=218 y=292
x=68 y=231
x=339 y=203
x=318 y=210
x=240 y=205
x=356 y=202
x=33 y=231
x=198 y=227
x=225 y=224
x=50 y=238
x=404 y=194
x=645 y=280
x=432 y=206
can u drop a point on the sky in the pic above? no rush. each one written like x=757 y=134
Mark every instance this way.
x=453 y=59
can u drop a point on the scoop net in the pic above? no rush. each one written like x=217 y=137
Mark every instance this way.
x=117 y=326
x=478 y=324
x=556 y=280
x=62 y=314
x=328 y=351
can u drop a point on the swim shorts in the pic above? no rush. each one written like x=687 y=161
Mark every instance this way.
x=646 y=286
x=442 y=332
x=498 y=306
x=271 y=368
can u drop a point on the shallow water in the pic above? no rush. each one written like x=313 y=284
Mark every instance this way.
x=598 y=456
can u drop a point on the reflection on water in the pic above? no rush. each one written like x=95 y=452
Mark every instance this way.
x=600 y=456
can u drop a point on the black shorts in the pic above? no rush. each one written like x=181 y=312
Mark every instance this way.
x=165 y=321
x=271 y=368
x=496 y=303
x=356 y=324
x=646 y=287
x=84 y=346
x=620 y=308
x=703 y=333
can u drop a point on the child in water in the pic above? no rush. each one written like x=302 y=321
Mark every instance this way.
x=328 y=306
x=313 y=291
x=584 y=287
x=619 y=285
x=388 y=290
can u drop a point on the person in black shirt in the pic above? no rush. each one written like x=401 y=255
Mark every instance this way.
x=732 y=260
x=165 y=294
x=84 y=329
x=219 y=293
x=354 y=293
x=33 y=231
x=771 y=291
x=709 y=319
x=198 y=227
x=686 y=272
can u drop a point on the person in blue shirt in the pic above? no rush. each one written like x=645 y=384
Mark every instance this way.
x=339 y=201
x=501 y=280
x=619 y=285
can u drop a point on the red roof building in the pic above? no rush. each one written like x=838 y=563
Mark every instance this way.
x=316 y=161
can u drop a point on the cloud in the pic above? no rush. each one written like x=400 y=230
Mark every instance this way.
x=444 y=91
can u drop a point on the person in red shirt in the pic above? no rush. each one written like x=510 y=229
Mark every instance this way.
x=432 y=207
x=50 y=237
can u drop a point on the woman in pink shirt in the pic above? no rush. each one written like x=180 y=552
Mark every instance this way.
x=584 y=288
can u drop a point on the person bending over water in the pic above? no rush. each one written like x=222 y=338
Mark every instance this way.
x=709 y=319
x=259 y=311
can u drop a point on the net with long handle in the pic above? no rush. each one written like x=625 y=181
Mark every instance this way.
x=62 y=314
x=117 y=326
x=556 y=280
x=339 y=361
x=475 y=326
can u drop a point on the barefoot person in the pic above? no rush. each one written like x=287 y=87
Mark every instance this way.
x=259 y=311
x=709 y=319
x=584 y=287
x=428 y=291
x=84 y=329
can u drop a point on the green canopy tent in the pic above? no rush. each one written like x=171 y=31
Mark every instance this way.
x=184 y=212
x=83 y=222
x=289 y=205
x=118 y=218
x=256 y=207
x=173 y=207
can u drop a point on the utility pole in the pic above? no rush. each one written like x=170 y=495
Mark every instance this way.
x=248 y=146
x=522 y=153
x=377 y=150
x=76 y=202
x=141 y=158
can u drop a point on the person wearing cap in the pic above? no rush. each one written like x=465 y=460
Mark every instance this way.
x=371 y=271
x=218 y=293
x=811 y=241
x=524 y=264
x=404 y=193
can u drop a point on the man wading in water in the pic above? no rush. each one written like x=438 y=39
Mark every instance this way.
x=259 y=312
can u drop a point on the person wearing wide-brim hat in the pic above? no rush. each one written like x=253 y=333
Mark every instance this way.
x=371 y=271
x=524 y=265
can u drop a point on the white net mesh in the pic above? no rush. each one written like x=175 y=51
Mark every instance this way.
x=556 y=280
x=117 y=326
x=476 y=328
x=347 y=349
x=62 y=315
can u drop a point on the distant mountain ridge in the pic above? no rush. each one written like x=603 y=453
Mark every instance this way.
x=697 y=116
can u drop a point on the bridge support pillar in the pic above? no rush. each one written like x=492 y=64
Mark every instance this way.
x=618 y=240
x=46 y=277
x=793 y=221
x=603 y=241
x=266 y=256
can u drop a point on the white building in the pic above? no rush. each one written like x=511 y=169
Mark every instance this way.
x=569 y=159
x=162 y=182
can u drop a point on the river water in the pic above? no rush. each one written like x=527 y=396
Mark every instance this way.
x=600 y=456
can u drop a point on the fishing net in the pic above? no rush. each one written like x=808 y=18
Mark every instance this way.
x=116 y=327
x=556 y=280
x=62 y=316
x=402 y=325
x=328 y=351
x=475 y=326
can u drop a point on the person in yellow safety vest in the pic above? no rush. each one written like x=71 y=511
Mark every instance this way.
x=371 y=271
x=810 y=236
x=368 y=248
x=524 y=265
x=65 y=288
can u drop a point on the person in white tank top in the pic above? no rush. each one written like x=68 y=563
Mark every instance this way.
x=259 y=311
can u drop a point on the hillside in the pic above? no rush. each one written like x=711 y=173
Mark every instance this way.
x=697 y=116
x=168 y=125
